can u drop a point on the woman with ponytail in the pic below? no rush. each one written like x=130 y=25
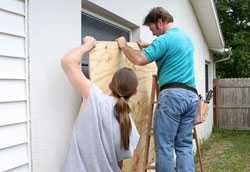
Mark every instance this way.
x=104 y=133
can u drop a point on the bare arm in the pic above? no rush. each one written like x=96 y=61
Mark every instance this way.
x=71 y=63
x=135 y=56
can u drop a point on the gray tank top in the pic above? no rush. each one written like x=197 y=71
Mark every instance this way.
x=95 y=143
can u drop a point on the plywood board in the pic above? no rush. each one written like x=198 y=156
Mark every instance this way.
x=104 y=60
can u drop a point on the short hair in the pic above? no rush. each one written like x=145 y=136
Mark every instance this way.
x=158 y=13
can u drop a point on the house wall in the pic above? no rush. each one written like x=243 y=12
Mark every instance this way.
x=54 y=27
x=14 y=96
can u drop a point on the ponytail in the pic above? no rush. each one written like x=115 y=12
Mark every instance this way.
x=121 y=110
x=123 y=86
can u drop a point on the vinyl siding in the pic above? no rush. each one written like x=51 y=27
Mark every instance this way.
x=14 y=97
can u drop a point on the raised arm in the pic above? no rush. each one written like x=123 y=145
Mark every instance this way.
x=71 y=63
x=135 y=56
x=142 y=44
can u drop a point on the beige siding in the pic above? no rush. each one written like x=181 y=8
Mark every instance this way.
x=23 y=168
x=12 y=45
x=13 y=157
x=13 y=23
x=13 y=112
x=13 y=134
x=12 y=90
x=13 y=6
x=14 y=102
x=12 y=68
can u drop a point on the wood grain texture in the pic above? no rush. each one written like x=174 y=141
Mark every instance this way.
x=232 y=103
x=104 y=60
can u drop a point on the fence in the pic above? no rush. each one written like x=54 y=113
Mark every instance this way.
x=232 y=103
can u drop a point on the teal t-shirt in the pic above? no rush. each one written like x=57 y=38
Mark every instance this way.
x=173 y=54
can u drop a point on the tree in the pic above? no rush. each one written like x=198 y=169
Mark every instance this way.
x=234 y=16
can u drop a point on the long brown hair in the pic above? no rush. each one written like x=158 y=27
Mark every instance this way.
x=123 y=86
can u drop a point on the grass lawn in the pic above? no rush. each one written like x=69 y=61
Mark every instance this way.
x=226 y=151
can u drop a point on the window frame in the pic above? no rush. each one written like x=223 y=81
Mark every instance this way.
x=207 y=69
x=109 y=23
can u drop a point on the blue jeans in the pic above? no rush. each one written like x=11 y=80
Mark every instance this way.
x=173 y=123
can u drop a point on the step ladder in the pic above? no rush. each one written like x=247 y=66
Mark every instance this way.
x=153 y=101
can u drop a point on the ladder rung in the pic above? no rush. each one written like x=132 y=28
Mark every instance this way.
x=151 y=132
x=150 y=167
x=154 y=102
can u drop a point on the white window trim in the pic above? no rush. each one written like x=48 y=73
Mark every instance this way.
x=108 y=21
x=210 y=75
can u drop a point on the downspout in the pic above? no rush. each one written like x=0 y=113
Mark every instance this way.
x=224 y=52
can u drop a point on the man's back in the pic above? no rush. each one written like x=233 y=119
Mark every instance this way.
x=173 y=53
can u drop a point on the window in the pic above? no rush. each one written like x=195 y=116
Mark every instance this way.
x=102 y=31
x=206 y=77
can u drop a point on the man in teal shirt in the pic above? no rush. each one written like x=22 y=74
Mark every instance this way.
x=173 y=54
x=172 y=51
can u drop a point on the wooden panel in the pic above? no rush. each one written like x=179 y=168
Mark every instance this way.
x=12 y=90
x=13 y=157
x=13 y=24
x=13 y=135
x=12 y=113
x=12 y=68
x=12 y=46
x=104 y=60
x=16 y=6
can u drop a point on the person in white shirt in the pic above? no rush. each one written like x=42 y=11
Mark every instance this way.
x=104 y=133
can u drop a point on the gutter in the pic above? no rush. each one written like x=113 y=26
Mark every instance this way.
x=217 y=23
x=223 y=52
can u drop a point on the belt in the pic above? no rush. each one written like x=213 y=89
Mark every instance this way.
x=178 y=85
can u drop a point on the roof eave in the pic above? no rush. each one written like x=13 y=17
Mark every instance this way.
x=206 y=14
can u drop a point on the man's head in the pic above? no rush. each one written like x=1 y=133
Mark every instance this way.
x=157 y=20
